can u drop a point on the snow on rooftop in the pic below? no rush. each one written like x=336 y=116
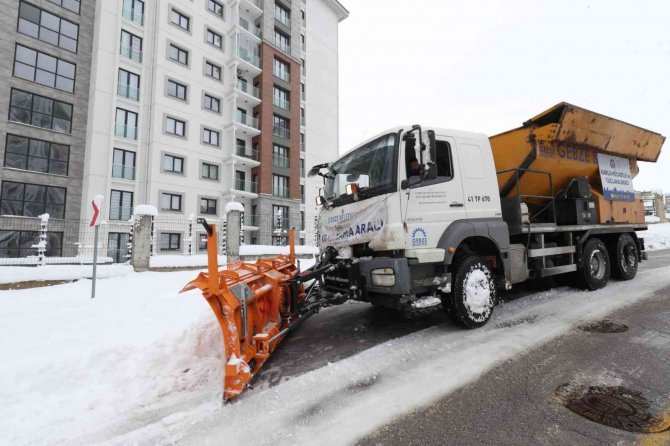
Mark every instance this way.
x=234 y=206
x=145 y=209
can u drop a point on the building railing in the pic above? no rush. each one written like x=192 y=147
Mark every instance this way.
x=283 y=45
x=257 y=3
x=253 y=29
x=134 y=16
x=128 y=92
x=285 y=76
x=246 y=87
x=123 y=171
x=118 y=213
x=245 y=186
x=280 y=161
x=246 y=152
x=279 y=191
x=302 y=146
x=280 y=102
x=245 y=54
x=125 y=131
x=280 y=131
x=283 y=20
x=246 y=120
x=131 y=53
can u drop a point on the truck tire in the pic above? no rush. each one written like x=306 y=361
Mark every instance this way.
x=594 y=268
x=624 y=258
x=470 y=304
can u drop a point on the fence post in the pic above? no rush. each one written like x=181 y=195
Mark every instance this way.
x=233 y=229
x=42 y=244
x=141 y=250
x=189 y=239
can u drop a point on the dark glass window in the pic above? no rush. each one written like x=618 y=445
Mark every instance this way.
x=212 y=103
x=32 y=200
x=131 y=46
x=120 y=205
x=175 y=127
x=210 y=137
x=174 y=164
x=213 y=70
x=214 y=38
x=44 y=69
x=43 y=25
x=123 y=164
x=208 y=206
x=177 y=54
x=179 y=19
x=133 y=10
x=170 y=202
x=36 y=155
x=170 y=241
x=215 y=7
x=209 y=171
x=32 y=109
x=20 y=243
x=126 y=124
x=72 y=5
x=176 y=90
x=128 y=85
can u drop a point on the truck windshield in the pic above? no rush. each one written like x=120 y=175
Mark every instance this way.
x=372 y=166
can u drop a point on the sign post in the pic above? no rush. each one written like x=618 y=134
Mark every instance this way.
x=96 y=203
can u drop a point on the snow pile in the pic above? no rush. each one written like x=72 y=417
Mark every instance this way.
x=78 y=364
x=13 y=274
x=145 y=209
x=651 y=219
x=234 y=206
x=656 y=237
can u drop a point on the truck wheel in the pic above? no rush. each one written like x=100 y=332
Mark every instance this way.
x=471 y=302
x=595 y=265
x=625 y=258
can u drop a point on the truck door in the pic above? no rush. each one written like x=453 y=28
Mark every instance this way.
x=479 y=183
x=428 y=207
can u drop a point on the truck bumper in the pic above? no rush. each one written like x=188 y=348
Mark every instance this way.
x=401 y=274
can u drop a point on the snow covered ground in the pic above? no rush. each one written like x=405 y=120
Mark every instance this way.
x=656 y=237
x=141 y=364
x=13 y=274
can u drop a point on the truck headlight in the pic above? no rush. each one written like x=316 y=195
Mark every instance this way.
x=383 y=277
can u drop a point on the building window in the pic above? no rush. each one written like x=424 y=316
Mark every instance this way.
x=303 y=43
x=240 y=180
x=302 y=142
x=303 y=93
x=131 y=46
x=280 y=98
x=215 y=7
x=282 y=41
x=281 y=127
x=174 y=164
x=32 y=109
x=202 y=241
x=281 y=70
x=72 y=5
x=211 y=103
x=133 y=10
x=282 y=15
x=176 y=90
x=208 y=206
x=32 y=200
x=170 y=202
x=120 y=205
x=280 y=156
x=16 y=244
x=212 y=70
x=280 y=224
x=36 y=155
x=44 y=69
x=209 y=171
x=302 y=116
x=303 y=67
x=302 y=193
x=210 y=137
x=123 y=164
x=117 y=246
x=175 y=127
x=47 y=27
x=170 y=241
x=214 y=38
x=177 y=54
x=179 y=19
x=302 y=167
x=128 y=85
x=126 y=124
x=279 y=186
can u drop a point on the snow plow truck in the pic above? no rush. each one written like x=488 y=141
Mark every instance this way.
x=417 y=217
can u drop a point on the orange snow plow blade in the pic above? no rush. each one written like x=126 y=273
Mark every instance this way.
x=255 y=305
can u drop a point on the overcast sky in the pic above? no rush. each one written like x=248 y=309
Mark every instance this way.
x=489 y=65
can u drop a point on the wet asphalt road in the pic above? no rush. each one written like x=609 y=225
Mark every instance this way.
x=342 y=331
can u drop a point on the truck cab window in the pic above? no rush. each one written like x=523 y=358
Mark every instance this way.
x=412 y=164
x=445 y=169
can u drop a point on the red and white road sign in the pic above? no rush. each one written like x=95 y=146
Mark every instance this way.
x=96 y=205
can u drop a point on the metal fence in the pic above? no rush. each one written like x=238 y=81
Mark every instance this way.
x=34 y=241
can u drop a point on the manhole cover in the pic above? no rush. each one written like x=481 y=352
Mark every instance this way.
x=605 y=326
x=615 y=407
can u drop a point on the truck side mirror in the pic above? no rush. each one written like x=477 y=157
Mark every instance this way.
x=432 y=145
x=429 y=172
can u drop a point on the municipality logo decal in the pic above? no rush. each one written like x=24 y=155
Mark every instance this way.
x=419 y=237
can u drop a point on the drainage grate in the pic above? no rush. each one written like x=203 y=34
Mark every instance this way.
x=615 y=407
x=605 y=326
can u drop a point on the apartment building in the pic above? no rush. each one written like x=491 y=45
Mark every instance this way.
x=195 y=103
x=45 y=70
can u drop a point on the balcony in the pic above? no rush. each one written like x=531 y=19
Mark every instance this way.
x=134 y=16
x=125 y=131
x=251 y=96
x=283 y=20
x=246 y=152
x=131 y=53
x=283 y=75
x=282 y=132
x=283 y=45
x=251 y=222
x=251 y=28
x=302 y=146
x=253 y=8
x=123 y=171
x=128 y=92
x=246 y=125
x=278 y=191
x=120 y=213
x=246 y=187
x=280 y=161
x=248 y=61
x=282 y=103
